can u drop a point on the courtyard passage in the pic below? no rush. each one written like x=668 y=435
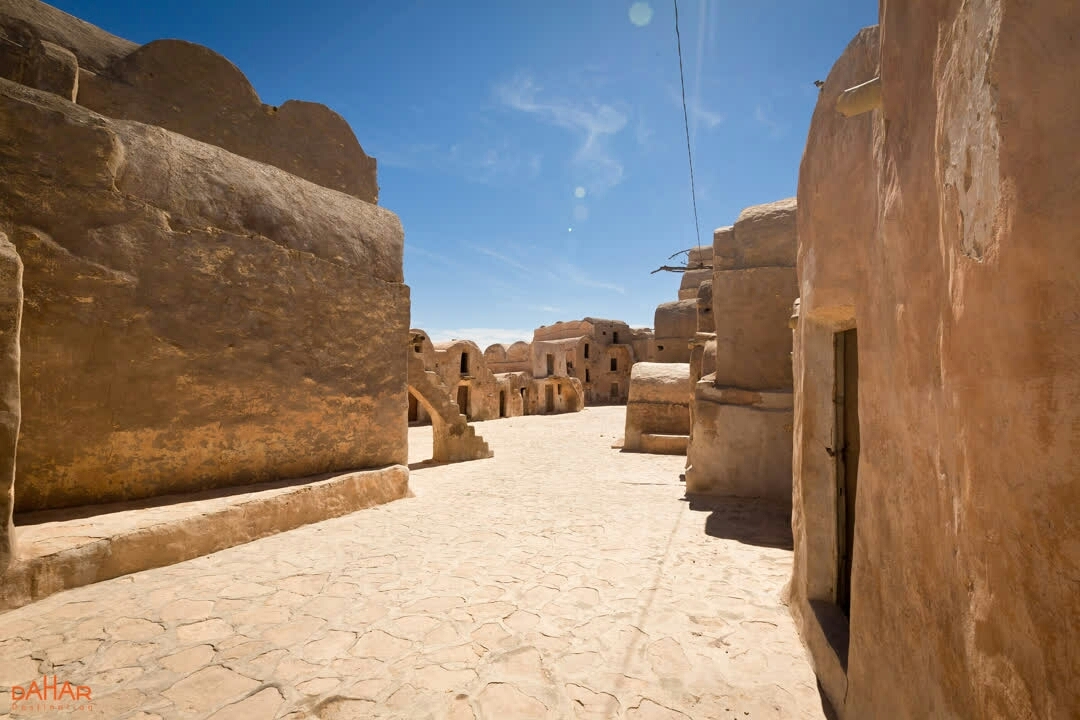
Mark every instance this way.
x=560 y=579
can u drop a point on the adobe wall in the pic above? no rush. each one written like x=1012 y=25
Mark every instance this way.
x=513 y=388
x=658 y=403
x=691 y=280
x=191 y=90
x=742 y=413
x=11 y=308
x=515 y=358
x=483 y=396
x=942 y=227
x=173 y=341
x=675 y=325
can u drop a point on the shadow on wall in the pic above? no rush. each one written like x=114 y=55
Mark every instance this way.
x=752 y=522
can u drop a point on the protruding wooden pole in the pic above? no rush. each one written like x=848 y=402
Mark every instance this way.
x=860 y=99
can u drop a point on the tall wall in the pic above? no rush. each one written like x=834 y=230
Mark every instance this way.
x=192 y=318
x=191 y=90
x=483 y=397
x=676 y=325
x=942 y=227
x=169 y=341
x=741 y=440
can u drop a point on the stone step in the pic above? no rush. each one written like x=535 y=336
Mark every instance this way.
x=63 y=549
x=659 y=444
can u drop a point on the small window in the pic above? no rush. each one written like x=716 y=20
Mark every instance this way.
x=586 y=351
x=416 y=348
x=586 y=374
x=464 y=363
x=614 y=364
x=659 y=347
x=615 y=337
x=558 y=389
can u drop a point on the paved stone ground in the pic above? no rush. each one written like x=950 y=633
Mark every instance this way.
x=561 y=579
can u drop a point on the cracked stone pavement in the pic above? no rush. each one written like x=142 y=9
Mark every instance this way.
x=560 y=579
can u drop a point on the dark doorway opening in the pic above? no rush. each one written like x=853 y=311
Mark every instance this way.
x=550 y=364
x=614 y=364
x=464 y=363
x=586 y=351
x=614 y=391
x=414 y=408
x=846 y=444
x=615 y=338
x=502 y=403
x=549 y=399
x=587 y=375
x=463 y=400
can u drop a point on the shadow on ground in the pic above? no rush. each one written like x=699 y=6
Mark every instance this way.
x=752 y=522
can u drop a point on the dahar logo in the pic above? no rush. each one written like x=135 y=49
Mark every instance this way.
x=50 y=691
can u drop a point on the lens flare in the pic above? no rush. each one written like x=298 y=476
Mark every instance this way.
x=641 y=14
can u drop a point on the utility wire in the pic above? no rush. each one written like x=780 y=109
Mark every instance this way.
x=686 y=122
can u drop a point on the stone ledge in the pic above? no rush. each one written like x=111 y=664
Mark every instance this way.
x=660 y=444
x=705 y=391
x=60 y=551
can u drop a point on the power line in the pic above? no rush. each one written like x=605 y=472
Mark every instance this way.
x=686 y=122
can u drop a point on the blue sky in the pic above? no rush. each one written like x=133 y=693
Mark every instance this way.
x=535 y=151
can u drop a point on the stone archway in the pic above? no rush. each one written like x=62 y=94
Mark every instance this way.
x=454 y=439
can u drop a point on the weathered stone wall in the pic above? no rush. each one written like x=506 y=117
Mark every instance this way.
x=188 y=89
x=706 y=322
x=741 y=442
x=691 y=280
x=192 y=318
x=658 y=404
x=838 y=212
x=11 y=307
x=643 y=343
x=676 y=325
x=515 y=358
x=962 y=267
x=453 y=438
x=482 y=392
x=94 y=48
x=567 y=395
x=513 y=388
x=699 y=255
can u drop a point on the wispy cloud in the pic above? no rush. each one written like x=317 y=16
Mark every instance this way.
x=545 y=308
x=762 y=116
x=577 y=276
x=484 y=163
x=592 y=121
x=501 y=258
x=484 y=337
x=697 y=114
x=462 y=268
x=643 y=134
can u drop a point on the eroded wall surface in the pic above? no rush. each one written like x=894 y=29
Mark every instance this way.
x=658 y=405
x=192 y=318
x=741 y=440
x=183 y=87
x=943 y=228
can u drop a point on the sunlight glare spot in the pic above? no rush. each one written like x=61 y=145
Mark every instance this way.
x=641 y=14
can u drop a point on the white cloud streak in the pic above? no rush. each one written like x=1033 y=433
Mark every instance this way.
x=592 y=121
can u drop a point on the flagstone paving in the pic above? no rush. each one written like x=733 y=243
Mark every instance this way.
x=560 y=579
